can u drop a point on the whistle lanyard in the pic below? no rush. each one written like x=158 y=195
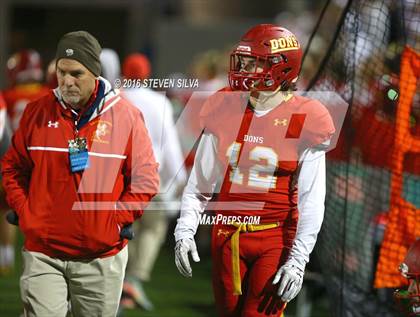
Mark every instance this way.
x=78 y=147
x=80 y=119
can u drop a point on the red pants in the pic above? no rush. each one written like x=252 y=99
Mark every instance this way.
x=261 y=254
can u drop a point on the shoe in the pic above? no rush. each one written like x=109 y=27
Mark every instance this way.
x=127 y=303
x=133 y=289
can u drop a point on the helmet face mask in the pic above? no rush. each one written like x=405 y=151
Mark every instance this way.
x=277 y=54
x=249 y=70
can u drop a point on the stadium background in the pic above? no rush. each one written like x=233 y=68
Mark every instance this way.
x=355 y=47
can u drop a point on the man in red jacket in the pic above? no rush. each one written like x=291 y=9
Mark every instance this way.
x=80 y=168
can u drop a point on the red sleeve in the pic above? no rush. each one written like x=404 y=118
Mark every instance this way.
x=141 y=179
x=318 y=126
x=17 y=167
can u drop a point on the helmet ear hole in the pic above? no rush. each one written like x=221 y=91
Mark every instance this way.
x=286 y=70
x=275 y=60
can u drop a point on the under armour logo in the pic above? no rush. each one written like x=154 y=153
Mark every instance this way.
x=280 y=122
x=53 y=124
x=69 y=52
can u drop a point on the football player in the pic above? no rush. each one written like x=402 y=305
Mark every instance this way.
x=25 y=74
x=7 y=254
x=409 y=300
x=266 y=146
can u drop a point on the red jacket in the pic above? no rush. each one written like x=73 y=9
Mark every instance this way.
x=79 y=215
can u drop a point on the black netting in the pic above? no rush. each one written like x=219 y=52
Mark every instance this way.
x=363 y=66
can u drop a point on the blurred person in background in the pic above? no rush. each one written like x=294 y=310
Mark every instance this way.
x=80 y=170
x=24 y=70
x=178 y=96
x=51 y=75
x=111 y=68
x=25 y=75
x=207 y=68
x=375 y=123
x=258 y=268
x=7 y=233
x=150 y=232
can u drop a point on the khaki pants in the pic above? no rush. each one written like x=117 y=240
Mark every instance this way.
x=93 y=286
x=150 y=233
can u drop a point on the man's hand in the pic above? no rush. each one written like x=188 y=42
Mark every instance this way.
x=12 y=218
x=182 y=248
x=127 y=232
x=291 y=280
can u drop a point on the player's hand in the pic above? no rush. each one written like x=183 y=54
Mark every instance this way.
x=182 y=248
x=291 y=280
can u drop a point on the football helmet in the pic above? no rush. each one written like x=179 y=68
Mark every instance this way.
x=276 y=57
x=409 y=300
x=24 y=66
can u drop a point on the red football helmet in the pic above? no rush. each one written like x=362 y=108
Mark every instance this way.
x=277 y=55
x=24 y=66
x=409 y=300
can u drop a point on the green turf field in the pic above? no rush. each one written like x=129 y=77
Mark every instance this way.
x=172 y=295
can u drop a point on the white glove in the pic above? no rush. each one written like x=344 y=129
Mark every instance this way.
x=291 y=280
x=182 y=248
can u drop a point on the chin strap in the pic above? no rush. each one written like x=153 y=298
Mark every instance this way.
x=264 y=97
